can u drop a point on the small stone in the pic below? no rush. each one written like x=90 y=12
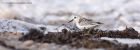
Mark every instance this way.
x=64 y=30
x=3 y=48
x=42 y=28
x=43 y=46
x=28 y=43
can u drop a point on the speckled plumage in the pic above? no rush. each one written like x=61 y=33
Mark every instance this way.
x=84 y=23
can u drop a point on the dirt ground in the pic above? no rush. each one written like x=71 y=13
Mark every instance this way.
x=67 y=40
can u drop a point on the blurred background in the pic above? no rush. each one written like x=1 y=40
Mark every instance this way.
x=115 y=14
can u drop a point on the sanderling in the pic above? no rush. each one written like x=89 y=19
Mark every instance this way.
x=84 y=23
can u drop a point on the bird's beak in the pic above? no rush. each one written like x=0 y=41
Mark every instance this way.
x=70 y=20
x=99 y=23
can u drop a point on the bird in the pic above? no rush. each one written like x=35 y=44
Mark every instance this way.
x=84 y=23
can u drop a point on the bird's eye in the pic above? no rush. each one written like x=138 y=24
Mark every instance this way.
x=74 y=17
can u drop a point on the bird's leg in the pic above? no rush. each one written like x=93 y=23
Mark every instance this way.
x=84 y=31
x=89 y=31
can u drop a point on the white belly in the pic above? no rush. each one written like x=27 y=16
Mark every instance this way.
x=86 y=26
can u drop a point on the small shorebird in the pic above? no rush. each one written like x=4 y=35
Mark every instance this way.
x=84 y=23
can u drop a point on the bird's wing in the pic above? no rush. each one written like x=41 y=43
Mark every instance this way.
x=85 y=21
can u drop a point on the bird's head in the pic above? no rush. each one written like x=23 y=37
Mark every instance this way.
x=75 y=18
